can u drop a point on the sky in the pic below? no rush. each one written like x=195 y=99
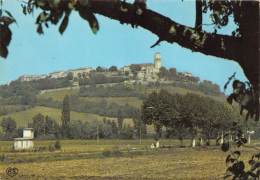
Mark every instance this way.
x=114 y=44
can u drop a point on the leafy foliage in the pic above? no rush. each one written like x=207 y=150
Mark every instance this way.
x=55 y=10
x=243 y=94
x=236 y=167
x=6 y=19
x=8 y=124
x=200 y=115
x=65 y=116
x=9 y=128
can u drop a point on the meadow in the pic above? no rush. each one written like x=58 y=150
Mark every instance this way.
x=59 y=94
x=24 y=117
x=117 y=159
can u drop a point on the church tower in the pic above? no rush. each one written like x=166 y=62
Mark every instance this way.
x=157 y=61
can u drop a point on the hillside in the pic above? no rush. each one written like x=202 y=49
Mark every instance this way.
x=97 y=93
x=59 y=94
x=23 y=117
x=95 y=111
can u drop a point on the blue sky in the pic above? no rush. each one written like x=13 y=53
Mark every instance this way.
x=114 y=44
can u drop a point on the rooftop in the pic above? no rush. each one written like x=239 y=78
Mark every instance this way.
x=22 y=139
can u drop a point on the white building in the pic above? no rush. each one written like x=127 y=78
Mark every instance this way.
x=147 y=72
x=81 y=71
x=58 y=74
x=186 y=74
x=26 y=142
x=31 y=77
x=75 y=73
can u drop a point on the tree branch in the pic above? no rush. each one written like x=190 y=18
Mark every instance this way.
x=222 y=46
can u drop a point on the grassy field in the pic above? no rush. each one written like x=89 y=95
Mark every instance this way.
x=23 y=117
x=132 y=101
x=60 y=94
x=57 y=95
x=85 y=159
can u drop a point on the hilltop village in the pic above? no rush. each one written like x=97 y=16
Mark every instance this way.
x=147 y=72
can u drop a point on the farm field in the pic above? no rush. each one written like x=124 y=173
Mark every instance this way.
x=85 y=159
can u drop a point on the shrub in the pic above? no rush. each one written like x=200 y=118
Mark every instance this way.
x=57 y=145
x=2 y=157
x=52 y=147
x=114 y=152
x=40 y=149
x=106 y=153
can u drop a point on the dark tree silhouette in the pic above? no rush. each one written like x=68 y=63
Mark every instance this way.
x=65 y=116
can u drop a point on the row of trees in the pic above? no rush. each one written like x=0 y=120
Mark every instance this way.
x=183 y=116
x=4 y=110
x=119 y=90
x=110 y=69
x=99 y=78
x=47 y=128
x=188 y=115
x=191 y=82
x=107 y=129
x=99 y=106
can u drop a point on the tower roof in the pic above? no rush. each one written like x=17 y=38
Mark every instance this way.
x=157 y=55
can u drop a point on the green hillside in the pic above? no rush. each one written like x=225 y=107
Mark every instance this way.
x=57 y=95
x=132 y=101
x=23 y=117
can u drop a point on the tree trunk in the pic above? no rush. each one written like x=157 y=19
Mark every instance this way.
x=193 y=143
x=222 y=138
x=201 y=142
x=249 y=138
x=249 y=59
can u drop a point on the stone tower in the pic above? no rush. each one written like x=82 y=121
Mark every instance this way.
x=157 y=61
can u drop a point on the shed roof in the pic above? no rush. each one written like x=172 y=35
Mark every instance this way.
x=22 y=139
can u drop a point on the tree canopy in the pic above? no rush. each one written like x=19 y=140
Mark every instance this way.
x=197 y=114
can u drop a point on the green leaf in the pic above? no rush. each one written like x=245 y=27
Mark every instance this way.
x=5 y=35
x=3 y=51
x=225 y=147
x=95 y=28
x=86 y=14
x=64 y=24
x=39 y=29
x=9 y=14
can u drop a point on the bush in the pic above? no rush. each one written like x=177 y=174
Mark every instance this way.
x=57 y=145
x=2 y=157
x=106 y=153
x=40 y=149
x=114 y=152
x=52 y=147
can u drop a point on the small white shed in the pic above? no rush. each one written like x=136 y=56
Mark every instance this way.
x=26 y=142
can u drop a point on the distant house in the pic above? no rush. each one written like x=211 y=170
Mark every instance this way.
x=82 y=71
x=26 y=142
x=186 y=74
x=31 y=77
x=148 y=71
x=58 y=74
